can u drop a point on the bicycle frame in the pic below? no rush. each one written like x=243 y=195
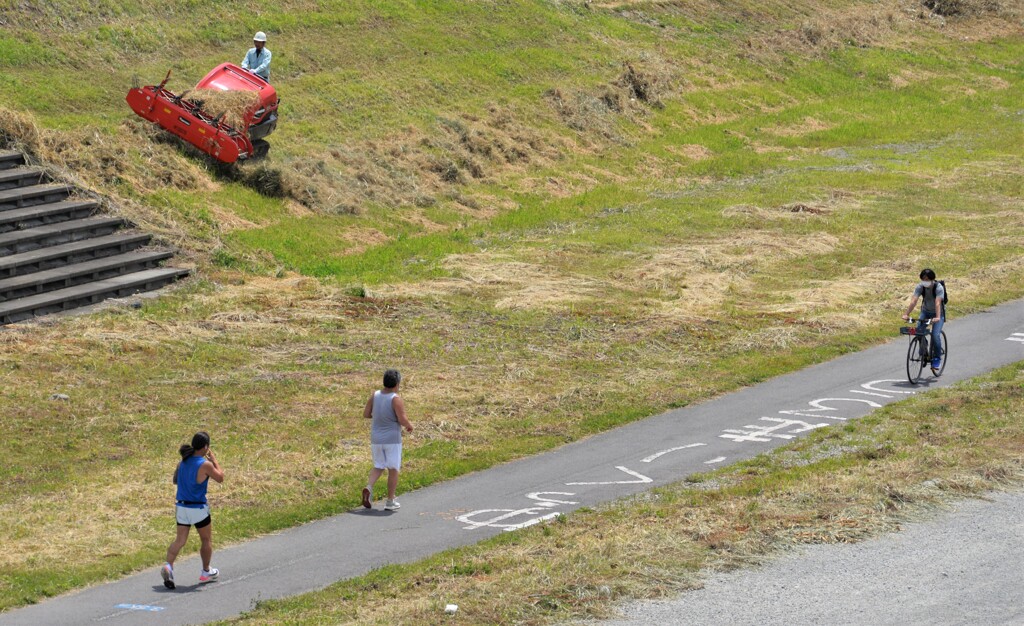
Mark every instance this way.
x=921 y=351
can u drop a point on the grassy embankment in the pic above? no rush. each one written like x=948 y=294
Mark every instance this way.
x=782 y=200
x=840 y=484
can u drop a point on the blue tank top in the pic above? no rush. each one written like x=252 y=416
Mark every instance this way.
x=190 y=493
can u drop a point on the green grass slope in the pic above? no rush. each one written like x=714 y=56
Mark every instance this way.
x=401 y=104
x=577 y=203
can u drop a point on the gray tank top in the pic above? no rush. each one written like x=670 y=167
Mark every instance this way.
x=385 y=427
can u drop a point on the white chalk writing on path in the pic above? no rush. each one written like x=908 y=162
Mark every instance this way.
x=640 y=478
x=782 y=429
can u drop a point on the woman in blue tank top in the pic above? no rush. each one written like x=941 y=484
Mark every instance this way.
x=192 y=476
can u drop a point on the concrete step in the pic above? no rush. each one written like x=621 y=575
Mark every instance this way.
x=42 y=214
x=11 y=158
x=88 y=293
x=18 y=241
x=80 y=273
x=22 y=176
x=35 y=194
x=68 y=253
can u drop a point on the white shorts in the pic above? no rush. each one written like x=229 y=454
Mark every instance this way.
x=387 y=455
x=188 y=516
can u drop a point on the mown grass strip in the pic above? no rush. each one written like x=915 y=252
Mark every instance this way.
x=840 y=484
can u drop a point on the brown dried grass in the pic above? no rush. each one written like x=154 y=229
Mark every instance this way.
x=954 y=8
x=138 y=156
x=696 y=278
x=596 y=113
x=692 y=151
x=807 y=125
x=836 y=200
x=513 y=283
x=907 y=77
x=411 y=169
x=875 y=477
x=826 y=30
x=416 y=168
x=231 y=106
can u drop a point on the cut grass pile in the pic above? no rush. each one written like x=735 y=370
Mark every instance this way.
x=840 y=484
x=754 y=218
x=231 y=107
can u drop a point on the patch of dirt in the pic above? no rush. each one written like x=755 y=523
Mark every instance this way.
x=298 y=210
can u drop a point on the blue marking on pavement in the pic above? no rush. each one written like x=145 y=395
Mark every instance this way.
x=138 y=607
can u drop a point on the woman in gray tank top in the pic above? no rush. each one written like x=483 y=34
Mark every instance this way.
x=387 y=411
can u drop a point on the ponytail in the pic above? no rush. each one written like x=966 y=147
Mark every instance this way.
x=199 y=441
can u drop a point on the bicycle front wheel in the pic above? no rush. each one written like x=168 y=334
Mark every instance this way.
x=944 y=355
x=915 y=362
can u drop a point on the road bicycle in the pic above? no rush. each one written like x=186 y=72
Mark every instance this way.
x=920 y=351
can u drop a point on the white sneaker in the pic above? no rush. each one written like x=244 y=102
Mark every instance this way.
x=392 y=505
x=168 y=575
x=210 y=576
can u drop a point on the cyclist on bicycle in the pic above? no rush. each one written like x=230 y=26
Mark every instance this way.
x=931 y=293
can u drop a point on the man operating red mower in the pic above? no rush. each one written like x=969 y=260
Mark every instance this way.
x=226 y=116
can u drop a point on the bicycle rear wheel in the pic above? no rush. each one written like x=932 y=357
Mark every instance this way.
x=915 y=361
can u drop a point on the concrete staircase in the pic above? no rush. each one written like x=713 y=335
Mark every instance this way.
x=55 y=254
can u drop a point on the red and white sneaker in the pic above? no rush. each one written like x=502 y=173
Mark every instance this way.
x=208 y=576
x=168 y=575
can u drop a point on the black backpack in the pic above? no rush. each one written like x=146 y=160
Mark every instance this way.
x=945 y=293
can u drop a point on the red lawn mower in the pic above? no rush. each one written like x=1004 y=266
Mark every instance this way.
x=186 y=119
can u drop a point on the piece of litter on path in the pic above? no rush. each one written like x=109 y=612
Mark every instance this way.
x=451 y=608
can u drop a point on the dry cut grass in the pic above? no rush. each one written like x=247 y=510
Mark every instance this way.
x=840 y=485
x=230 y=106
x=139 y=157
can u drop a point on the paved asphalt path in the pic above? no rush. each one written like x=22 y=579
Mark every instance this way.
x=965 y=567
x=652 y=452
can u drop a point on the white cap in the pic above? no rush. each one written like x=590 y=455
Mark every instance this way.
x=260 y=36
